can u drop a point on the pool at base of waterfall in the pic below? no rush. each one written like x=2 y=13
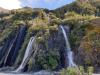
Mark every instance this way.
x=43 y=72
x=1 y=73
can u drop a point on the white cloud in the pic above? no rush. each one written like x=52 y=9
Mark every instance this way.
x=10 y=4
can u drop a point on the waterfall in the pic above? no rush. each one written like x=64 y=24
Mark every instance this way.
x=69 y=53
x=6 y=45
x=15 y=47
x=4 y=51
x=19 y=43
x=27 y=54
x=9 y=49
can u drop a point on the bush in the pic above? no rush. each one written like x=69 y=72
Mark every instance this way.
x=77 y=71
x=90 y=70
x=70 y=71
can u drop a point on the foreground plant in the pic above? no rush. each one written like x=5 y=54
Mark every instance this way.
x=77 y=71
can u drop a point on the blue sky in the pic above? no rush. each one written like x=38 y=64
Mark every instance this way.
x=50 y=4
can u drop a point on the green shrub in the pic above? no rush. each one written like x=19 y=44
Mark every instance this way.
x=77 y=71
x=90 y=70
x=70 y=71
x=30 y=64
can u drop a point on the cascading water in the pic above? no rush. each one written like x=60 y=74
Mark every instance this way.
x=69 y=52
x=15 y=46
x=9 y=49
x=27 y=54
x=4 y=51
x=19 y=42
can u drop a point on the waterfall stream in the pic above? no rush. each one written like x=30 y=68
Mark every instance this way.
x=15 y=47
x=11 y=46
x=4 y=51
x=19 y=43
x=69 y=53
x=27 y=54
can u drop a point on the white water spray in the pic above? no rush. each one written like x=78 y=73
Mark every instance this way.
x=27 y=54
x=69 y=52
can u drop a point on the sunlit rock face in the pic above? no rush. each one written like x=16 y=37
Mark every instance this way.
x=89 y=52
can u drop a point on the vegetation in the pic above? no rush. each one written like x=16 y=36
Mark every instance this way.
x=77 y=71
x=83 y=21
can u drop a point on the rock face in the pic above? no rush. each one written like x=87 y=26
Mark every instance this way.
x=54 y=49
x=89 y=50
x=51 y=51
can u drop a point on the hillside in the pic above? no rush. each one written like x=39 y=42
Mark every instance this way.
x=39 y=39
x=90 y=7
